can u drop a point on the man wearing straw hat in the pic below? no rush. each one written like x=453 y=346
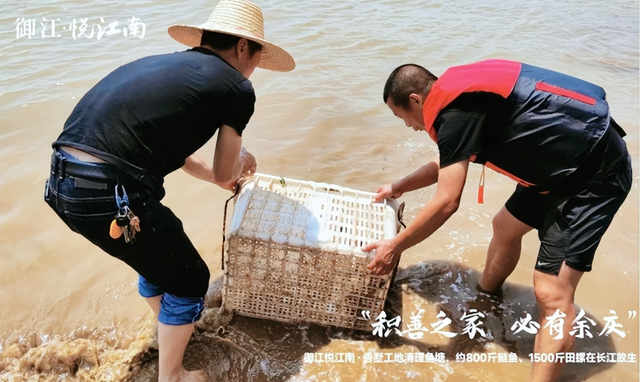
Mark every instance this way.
x=551 y=133
x=143 y=121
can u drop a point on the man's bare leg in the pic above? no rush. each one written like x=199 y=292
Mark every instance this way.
x=154 y=303
x=172 y=342
x=554 y=293
x=504 y=250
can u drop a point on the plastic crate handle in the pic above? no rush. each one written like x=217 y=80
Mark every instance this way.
x=224 y=221
x=400 y=213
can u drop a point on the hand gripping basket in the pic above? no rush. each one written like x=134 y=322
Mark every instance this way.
x=293 y=252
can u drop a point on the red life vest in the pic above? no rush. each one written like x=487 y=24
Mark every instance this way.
x=577 y=116
x=495 y=76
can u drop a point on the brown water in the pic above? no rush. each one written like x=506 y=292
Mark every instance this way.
x=70 y=312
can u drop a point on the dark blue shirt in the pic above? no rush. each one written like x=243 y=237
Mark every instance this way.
x=154 y=112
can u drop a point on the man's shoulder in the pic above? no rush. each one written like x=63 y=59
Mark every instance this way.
x=207 y=69
x=477 y=102
x=189 y=57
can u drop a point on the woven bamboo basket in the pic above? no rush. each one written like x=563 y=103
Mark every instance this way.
x=293 y=252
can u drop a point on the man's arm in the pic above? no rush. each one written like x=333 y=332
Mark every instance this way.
x=425 y=176
x=451 y=180
x=230 y=161
x=195 y=166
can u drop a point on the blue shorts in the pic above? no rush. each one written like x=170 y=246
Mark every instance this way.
x=174 y=310
x=162 y=254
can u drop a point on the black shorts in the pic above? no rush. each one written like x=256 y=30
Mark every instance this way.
x=570 y=225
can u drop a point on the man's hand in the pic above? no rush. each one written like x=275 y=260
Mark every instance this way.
x=230 y=186
x=248 y=162
x=386 y=256
x=387 y=191
x=249 y=166
x=231 y=162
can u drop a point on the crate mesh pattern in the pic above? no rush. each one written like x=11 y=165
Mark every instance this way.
x=293 y=253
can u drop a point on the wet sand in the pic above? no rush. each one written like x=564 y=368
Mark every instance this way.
x=232 y=348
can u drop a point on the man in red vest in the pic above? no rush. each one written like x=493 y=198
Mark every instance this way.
x=550 y=132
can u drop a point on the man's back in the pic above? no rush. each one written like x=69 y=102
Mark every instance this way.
x=156 y=111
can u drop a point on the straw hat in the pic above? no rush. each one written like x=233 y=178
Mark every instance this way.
x=238 y=18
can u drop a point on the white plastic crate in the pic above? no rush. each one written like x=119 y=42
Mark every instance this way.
x=293 y=252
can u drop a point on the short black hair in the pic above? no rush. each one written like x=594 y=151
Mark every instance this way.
x=222 y=41
x=407 y=79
